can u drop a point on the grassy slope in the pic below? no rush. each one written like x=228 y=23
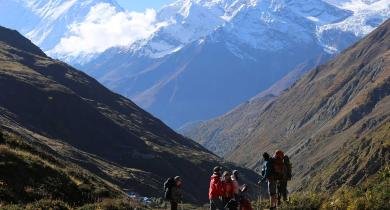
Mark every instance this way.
x=31 y=172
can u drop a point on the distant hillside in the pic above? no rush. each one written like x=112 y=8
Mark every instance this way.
x=49 y=102
x=241 y=120
x=334 y=122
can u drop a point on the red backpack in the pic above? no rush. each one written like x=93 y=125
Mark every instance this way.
x=279 y=169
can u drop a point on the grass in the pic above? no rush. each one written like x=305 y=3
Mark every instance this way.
x=374 y=194
x=30 y=174
x=31 y=178
x=114 y=204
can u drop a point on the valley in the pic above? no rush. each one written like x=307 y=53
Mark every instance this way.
x=100 y=105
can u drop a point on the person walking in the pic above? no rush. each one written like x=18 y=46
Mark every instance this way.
x=279 y=174
x=267 y=175
x=216 y=190
x=235 y=179
x=176 y=193
x=282 y=184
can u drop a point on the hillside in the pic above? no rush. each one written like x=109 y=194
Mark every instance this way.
x=31 y=171
x=334 y=122
x=50 y=102
x=222 y=134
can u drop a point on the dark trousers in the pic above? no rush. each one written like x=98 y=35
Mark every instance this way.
x=282 y=190
x=216 y=204
x=230 y=203
x=173 y=205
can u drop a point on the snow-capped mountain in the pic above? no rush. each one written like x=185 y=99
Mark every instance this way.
x=193 y=59
x=366 y=16
x=191 y=20
x=213 y=55
x=188 y=21
x=45 y=22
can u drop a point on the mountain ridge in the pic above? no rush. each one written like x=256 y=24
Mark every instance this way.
x=50 y=102
x=153 y=70
x=255 y=39
x=333 y=122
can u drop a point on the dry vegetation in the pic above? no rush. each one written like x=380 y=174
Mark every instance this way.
x=30 y=174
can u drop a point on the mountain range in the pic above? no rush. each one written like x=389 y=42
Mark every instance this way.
x=333 y=122
x=67 y=138
x=49 y=104
x=205 y=57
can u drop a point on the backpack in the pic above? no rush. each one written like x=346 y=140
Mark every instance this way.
x=279 y=169
x=168 y=184
x=288 y=170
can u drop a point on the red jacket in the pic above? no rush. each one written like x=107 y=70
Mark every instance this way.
x=216 y=187
x=228 y=189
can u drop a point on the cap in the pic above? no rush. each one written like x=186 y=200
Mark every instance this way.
x=235 y=172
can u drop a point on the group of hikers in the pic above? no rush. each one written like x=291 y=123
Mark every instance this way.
x=226 y=192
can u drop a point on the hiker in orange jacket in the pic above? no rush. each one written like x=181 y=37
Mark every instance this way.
x=216 y=190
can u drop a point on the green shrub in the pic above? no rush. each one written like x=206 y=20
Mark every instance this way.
x=48 y=204
x=11 y=207
x=309 y=200
x=39 y=205
x=373 y=194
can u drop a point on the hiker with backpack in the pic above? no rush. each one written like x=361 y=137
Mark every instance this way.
x=228 y=197
x=216 y=190
x=282 y=184
x=173 y=193
x=267 y=173
x=279 y=173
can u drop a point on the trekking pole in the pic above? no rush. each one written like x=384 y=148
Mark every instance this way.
x=259 y=199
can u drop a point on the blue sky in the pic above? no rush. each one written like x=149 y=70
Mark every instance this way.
x=141 y=5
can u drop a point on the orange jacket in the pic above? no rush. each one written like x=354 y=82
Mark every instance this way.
x=228 y=189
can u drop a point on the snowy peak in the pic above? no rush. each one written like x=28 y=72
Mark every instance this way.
x=58 y=26
x=280 y=24
x=188 y=21
x=366 y=16
x=45 y=22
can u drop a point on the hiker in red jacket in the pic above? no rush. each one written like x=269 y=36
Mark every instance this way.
x=216 y=190
x=228 y=197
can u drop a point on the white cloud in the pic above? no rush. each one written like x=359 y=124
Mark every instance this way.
x=103 y=28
